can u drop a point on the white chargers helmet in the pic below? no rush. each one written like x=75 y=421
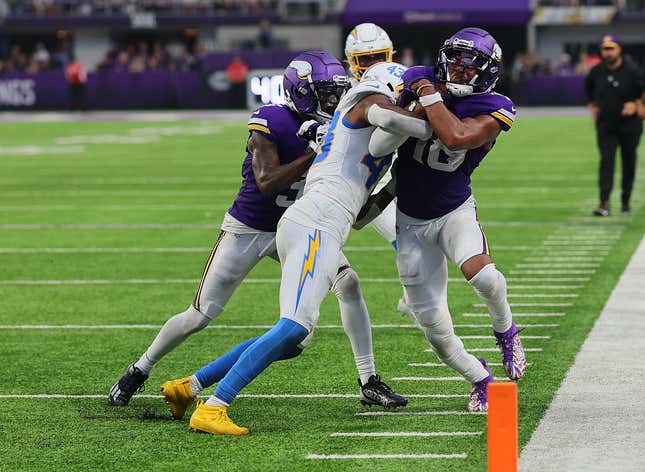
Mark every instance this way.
x=389 y=74
x=367 y=44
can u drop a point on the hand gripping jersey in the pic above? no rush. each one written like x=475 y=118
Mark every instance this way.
x=431 y=180
x=343 y=173
x=279 y=125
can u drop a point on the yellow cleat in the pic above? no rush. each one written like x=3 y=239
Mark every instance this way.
x=178 y=397
x=214 y=420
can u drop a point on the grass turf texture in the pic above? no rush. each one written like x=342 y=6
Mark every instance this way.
x=538 y=183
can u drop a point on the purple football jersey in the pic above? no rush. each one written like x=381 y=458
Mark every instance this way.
x=278 y=124
x=432 y=180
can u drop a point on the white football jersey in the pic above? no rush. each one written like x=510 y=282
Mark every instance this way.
x=343 y=173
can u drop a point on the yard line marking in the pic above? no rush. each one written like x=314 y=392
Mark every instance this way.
x=175 y=281
x=407 y=434
x=486 y=315
x=552 y=272
x=243 y=395
x=493 y=349
x=151 y=326
x=109 y=250
x=556 y=265
x=431 y=379
x=385 y=456
x=543 y=295
x=493 y=337
x=440 y=364
x=488 y=326
x=421 y=413
x=564 y=259
x=482 y=305
x=544 y=287
x=548 y=279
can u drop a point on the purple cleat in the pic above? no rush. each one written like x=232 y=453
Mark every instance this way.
x=512 y=351
x=479 y=393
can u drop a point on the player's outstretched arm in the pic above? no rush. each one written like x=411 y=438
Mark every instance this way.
x=377 y=110
x=455 y=134
x=270 y=176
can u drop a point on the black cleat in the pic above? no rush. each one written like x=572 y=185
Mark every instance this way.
x=376 y=392
x=602 y=210
x=130 y=383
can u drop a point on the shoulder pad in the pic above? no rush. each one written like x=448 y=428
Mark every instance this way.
x=269 y=120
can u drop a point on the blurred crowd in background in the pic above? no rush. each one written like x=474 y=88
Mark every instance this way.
x=130 y=7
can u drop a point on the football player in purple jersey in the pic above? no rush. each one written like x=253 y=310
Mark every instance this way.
x=280 y=149
x=436 y=216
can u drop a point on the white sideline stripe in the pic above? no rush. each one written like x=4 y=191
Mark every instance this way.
x=548 y=279
x=242 y=395
x=482 y=305
x=537 y=315
x=584 y=245
x=439 y=364
x=544 y=287
x=387 y=434
x=595 y=420
x=552 y=272
x=543 y=295
x=385 y=456
x=557 y=265
x=421 y=413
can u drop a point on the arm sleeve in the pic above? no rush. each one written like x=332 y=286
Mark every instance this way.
x=384 y=142
x=398 y=123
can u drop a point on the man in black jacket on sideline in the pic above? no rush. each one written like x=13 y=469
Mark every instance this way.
x=614 y=89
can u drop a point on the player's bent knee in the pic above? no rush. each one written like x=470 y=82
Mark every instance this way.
x=489 y=281
x=346 y=285
x=193 y=320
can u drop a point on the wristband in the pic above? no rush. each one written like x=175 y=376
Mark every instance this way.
x=422 y=87
x=431 y=99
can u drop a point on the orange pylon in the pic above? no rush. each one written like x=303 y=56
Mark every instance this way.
x=502 y=427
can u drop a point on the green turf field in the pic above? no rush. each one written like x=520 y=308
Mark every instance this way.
x=108 y=224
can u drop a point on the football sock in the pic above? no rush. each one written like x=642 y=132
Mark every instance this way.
x=279 y=342
x=216 y=370
x=436 y=323
x=195 y=385
x=214 y=401
x=356 y=321
x=490 y=285
x=172 y=333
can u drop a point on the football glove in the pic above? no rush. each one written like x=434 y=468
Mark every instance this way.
x=314 y=132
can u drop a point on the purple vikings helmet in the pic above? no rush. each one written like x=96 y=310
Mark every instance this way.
x=476 y=51
x=309 y=79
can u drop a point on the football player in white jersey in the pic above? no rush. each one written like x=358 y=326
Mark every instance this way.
x=313 y=230
x=276 y=158
x=368 y=44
